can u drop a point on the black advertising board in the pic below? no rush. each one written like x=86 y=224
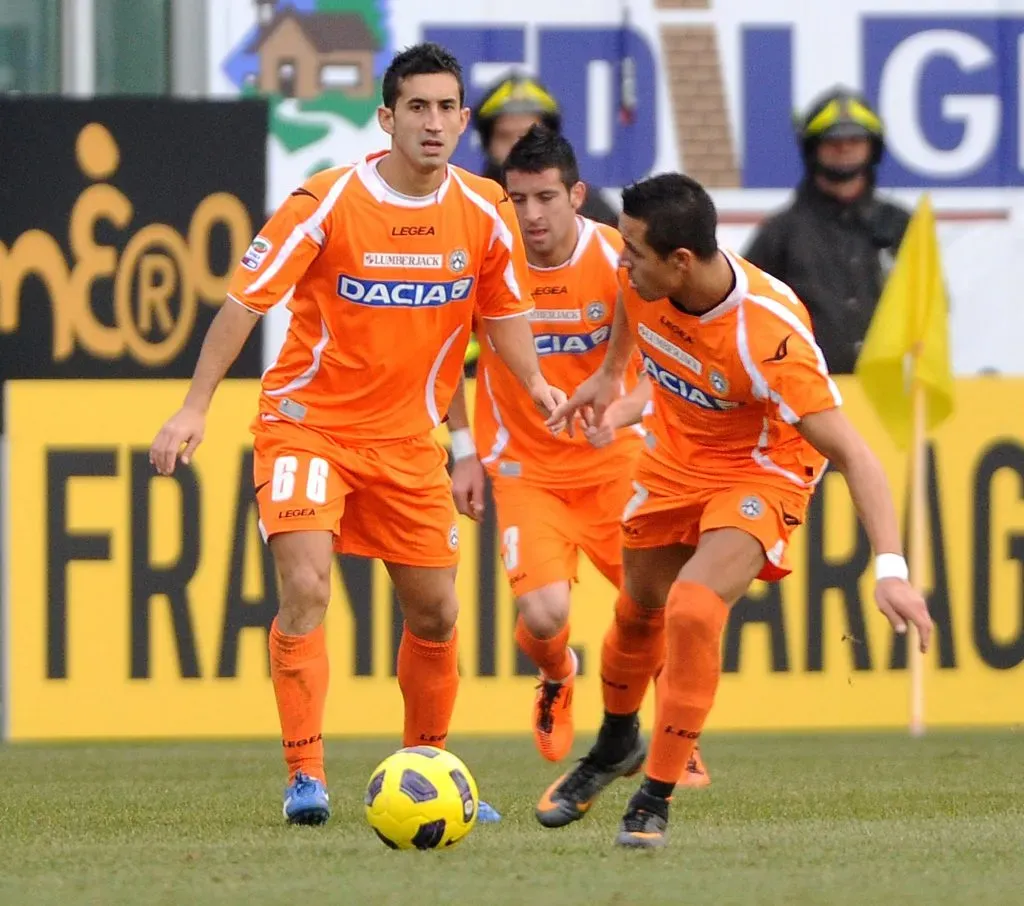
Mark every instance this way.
x=121 y=221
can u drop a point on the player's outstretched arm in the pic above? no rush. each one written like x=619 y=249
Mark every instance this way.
x=512 y=339
x=835 y=438
x=224 y=340
x=467 y=472
x=267 y=275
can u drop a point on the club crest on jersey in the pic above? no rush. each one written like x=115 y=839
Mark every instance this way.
x=403 y=293
x=752 y=507
x=570 y=343
x=458 y=260
x=677 y=386
x=256 y=253
x=718 y=381
x=595 y=311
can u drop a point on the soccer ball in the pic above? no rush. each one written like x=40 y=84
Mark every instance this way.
x=421 y=798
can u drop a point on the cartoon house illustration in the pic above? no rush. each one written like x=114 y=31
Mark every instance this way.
x=302 y=54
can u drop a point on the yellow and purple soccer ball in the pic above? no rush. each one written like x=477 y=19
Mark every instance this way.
x=421 y=798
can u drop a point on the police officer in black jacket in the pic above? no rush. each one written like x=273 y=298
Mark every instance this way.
x=505 y=114
x=836 y=243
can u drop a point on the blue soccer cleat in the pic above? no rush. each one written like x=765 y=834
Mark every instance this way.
x=306 y=801
x=487 y=814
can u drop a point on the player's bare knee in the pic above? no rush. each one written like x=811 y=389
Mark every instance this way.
x=546 y=610
x=304 y=565
x=305 y=593
x=648 y=574
x=307 y=584
x=433 y=621
x=428 y=600
x=645 y=589
x=727 y=561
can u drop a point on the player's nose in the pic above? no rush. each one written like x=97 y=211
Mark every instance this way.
x=435 y=122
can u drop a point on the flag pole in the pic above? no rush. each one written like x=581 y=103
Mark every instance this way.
x=917 y=554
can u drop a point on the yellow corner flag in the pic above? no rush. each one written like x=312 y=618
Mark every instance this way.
x=907 y=344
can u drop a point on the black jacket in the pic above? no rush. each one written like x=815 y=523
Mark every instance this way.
x=594 y=207
x=836 y=257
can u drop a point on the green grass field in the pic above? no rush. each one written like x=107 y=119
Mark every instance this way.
x=838 y=819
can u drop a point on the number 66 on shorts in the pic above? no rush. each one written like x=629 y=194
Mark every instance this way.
x=391 y=501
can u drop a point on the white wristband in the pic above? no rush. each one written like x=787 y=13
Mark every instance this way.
x=891 y=566
x=462 y=444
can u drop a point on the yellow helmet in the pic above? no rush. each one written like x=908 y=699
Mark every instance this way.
x=516 y=93
x=840 y=113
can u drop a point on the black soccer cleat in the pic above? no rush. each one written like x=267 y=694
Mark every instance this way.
x=570 y=797
x=645 y=824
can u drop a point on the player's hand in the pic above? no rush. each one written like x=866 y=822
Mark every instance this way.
x=547 y=399
x=590 y=400
x=183 y=429
x=902 y=603
x=602 y=434
x=468 y=487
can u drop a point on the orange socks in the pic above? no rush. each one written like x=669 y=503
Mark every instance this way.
x=695 y=618
x=551 y=656
x=633 y=648
x=298 y=667
x=428 y=675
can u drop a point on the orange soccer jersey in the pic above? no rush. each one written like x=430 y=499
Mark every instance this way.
x=730 y=386
x=571 y=321
x=382 y=290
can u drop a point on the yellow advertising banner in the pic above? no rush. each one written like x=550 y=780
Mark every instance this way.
x=139 y=605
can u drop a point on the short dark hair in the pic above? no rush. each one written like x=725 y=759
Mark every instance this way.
x=542 y=149
x=420 y=59
x=678 y=212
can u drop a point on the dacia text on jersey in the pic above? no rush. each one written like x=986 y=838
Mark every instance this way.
x=571 y=343
x=403 y=293
x=677 y=386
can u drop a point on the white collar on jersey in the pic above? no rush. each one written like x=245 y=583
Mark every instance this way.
x=734 y=298
x=370 y=177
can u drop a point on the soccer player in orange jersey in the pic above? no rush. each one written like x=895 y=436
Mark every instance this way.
x=555 y=495
x=745 y=421
x=383 y=265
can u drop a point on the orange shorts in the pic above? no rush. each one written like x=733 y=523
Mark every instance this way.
x=543 y=530
x=663 y=511
x=392 y=501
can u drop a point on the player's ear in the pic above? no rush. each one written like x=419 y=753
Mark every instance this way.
x=386 y=119
x=578 y=194
x=682 y=260
x=464 y=116
x=679 y=259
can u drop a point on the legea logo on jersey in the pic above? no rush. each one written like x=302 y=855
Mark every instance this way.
x=678 y=387
x=571 y=343
x=403 y=293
